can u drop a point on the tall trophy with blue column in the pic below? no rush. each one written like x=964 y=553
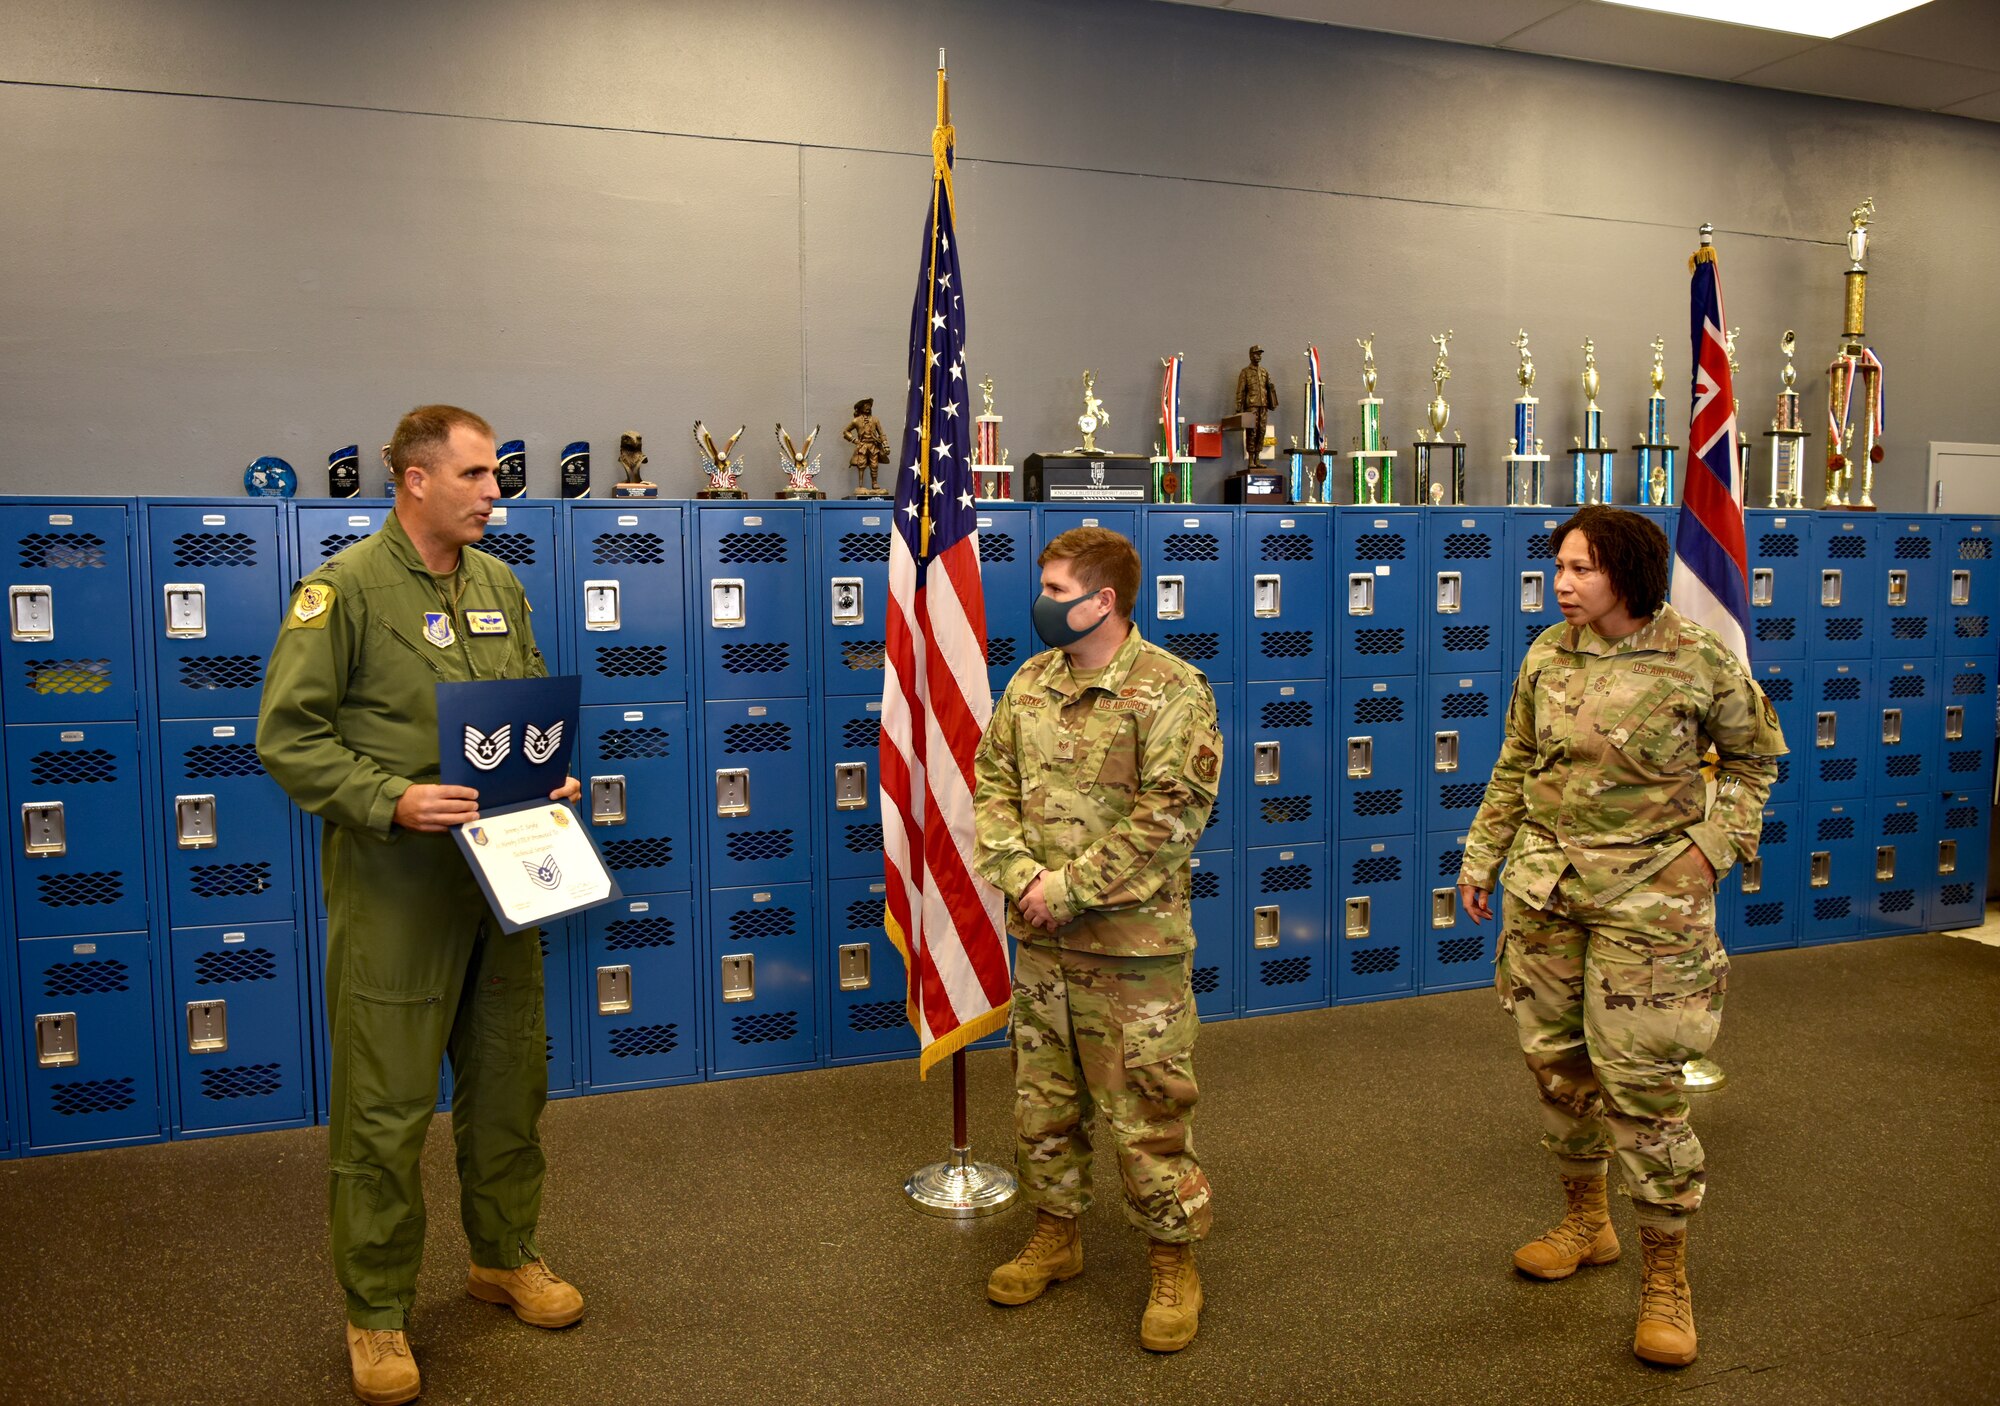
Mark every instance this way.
x=1439 y=485
x=1173 y=466
x=1788 y=437
x=1527 y=465
x=1312 y=462
x=1374 y=465
x=1590 y=454
x=1656 y=453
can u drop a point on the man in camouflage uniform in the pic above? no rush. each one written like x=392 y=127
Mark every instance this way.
x=1613 y=842
x=1095 y=778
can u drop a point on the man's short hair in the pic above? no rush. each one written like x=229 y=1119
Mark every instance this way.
x=423 y=432
x=1627 y=547
x=1099 y=557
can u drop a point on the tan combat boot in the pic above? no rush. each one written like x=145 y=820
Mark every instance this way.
x=533 y=1291
x=1054 y=1251
x=384 y=1372
x=1173 y=1309
x=1666 y=1307
x=1583 y=1236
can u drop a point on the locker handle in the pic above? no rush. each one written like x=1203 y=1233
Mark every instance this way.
x=854 y=967
x=1892 y=726
x=1753 y=875
x=1533 y=584
x=1822 y=869
x=1829 y=586
x=1264 y=926
x=56 y=1040
x=1961 y=588
x=1361 y=593
x=739 y=976
x=187 y=610
x=207 y=1027
x=607 y=800
x=1954 y=721
x=732 y=791
x=1825 y=729
x=1885 y=863
x=1445 y=754
x=726 y=605
x=1763 y=585
x=1357 y=916
x=850 y=786
x=1360 y=756
x=1450 y=592
x=1947 y=856
x=600 y=605
x=1444 y=908
x=1264 y=764
x=194 y=822
x=614 y=990
x=1899 y=587
x=43 y=831
x=31 y=612
x=847 y=607
x=1266 y=596
x=1169 y=597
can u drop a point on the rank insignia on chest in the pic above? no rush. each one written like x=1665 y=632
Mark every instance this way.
x=437 y=629
x=485 y=622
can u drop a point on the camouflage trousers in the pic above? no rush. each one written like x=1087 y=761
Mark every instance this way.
x=1113 y=1033
x=1609 y=1001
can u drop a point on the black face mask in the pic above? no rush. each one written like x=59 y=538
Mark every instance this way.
x=1052 y=620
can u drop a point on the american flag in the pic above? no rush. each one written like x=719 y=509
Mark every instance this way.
x=1711 y=581
x=944 y=918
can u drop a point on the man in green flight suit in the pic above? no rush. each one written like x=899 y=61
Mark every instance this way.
x=416 y=966
x=1094 y=780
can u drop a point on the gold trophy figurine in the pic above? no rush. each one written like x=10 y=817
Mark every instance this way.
x=722 y=470
x=801 y=467
x=1094 y=417
x=1439 y=411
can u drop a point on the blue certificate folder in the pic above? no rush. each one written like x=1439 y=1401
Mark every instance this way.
x=511 y=740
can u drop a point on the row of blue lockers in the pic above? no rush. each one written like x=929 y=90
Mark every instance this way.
x=752 y=941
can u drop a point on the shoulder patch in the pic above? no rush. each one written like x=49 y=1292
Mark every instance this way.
x=1207 y=765
x=310 y=607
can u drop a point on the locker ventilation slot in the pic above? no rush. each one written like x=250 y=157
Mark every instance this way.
x=1776 y=629
x=866 y=914
x=81 y=890
x=1844 y=627
x=756 y=658
x=859 y=733
x=1466 y=795
x=629 y=549
x=1378 y=641
x=1913 y=549
x=217 y=671
x=1839 y=769
x=1907 y=686
x=1899 y=822
x=1192 y=647
x=1763 y=915
x=1903 y=765
x=638 y=934
x=83 y=767
x=229 y=880
x=1784 y=770
x=628 y=661
x=1842 y=690
x=1836 y=827
x=335 y=543
x=1384 y=802
x=867 y=1017
x=1540 y=549
x=1207 y=884
x=234 y=964
x=655 y=852
x=1975 y=549
x=1003 y=653
x=864 y=839
x=1778 y=544
x=758 y=737
x=1379 y=546
x=1968 y=685
x=1206 y=981
x=1899 y=900
x=1286 y=878
x=1465 y=705
x=243 y=1081
x=623 y=743
x=1374 y=961
x=543 y=943
x=215 y=549
x=1287 y=546
x=1290 y=713
x=92 y=1096
x=1773 y=833
x=749 y=924
x=764 y=1029
x=1450 y=862
x=61 y=550
x=762 y=547
x=1468 y=546
x=1192 y=546
x=1377 y=869
x=1969 y=627
x=1286 y=971
x=1285 y=810
x=212 y=759
x=1847 y=548
x=1459 y=639
x=860 y=546
x=1453 y=951
x=1955 y=895
x=1959 y=763
x=863 y=655
x=1961 y=818
x=995 y=547
x=1376 y=709
x=757 y=846
x=1533 y=631
x=1777 y=690
x=84 y=978
x=47 y=676
x=1286 y=644
x=1910 y=627
x=638 y=1041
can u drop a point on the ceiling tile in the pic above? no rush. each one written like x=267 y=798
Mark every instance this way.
x=1986 y=107
x=1950 y=31
x=1646 y=39
x=1839 y=70
x=1462 y=21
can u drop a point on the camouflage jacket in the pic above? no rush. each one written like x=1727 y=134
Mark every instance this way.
x=1107 y=787
x=1601 y=766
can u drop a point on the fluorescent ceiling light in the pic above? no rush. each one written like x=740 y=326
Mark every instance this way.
x=1823 y=19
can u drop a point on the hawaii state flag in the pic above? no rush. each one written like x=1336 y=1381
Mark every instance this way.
x=1711 y=580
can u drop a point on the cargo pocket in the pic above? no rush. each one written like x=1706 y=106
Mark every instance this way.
x=395 y=1046
x=1159 y=1058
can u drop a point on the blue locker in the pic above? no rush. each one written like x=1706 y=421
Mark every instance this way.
x=1379 y=591
x=1188 y=590
x=1910 y=727
x=236 y=1028
x=1375 y=915
x=1970 y=584
x=1530 y=607
x=1662 y=517
x=217 y=585
x=1213 y=904
x=1056 y=521
x=559 y=948
x=757 y=763
x=762 y=1007
x=86 y=1042
x=316 y=1022
x=1965 y=723
x=1904 y=864
x=1844 y=589
x=627 y=622
x=1905 y=586
x=1285 y=967
x=1379 y=783
x=523 y=535
x=848 y=798
x=752 y=580
x=870 y=1016
x=1465 y=721
x=1758 y=907
x=10 y=1138
x=853 y=597
x=1221 y=830
x=633 y=762
x=1284 y=765
x=68 y=653
x=1843 y=724
x=1788 y=684
x=1010 y=582
x=1838 y=871
x=1957 y=897
x=1779 y=550
x=79 y=852
x=229 y=845
x=639 y=993
x=1283 y=594
x=1466 y=554
x=1457 y=953
x=323 y=530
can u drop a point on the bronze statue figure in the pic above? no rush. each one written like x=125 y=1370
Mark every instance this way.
x=1257 y=396
x=871 y=449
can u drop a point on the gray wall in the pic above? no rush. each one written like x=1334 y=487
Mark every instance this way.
x=238 y=227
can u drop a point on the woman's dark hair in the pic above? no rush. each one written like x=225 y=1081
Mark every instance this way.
x=1627 y=547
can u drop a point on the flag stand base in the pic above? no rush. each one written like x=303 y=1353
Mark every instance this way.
x=1701 y=1075
x=960 y=1188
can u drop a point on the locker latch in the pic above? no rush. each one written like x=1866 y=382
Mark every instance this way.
x=1264 y=767
x=854 y=972
x=1954 y=721
x=1753 y=875
x=850 y=786
x=1451 y=592
x=1885 y=863
x=600 y=605
x=194 y=822
x=1361 y=593
x=1360 y=756
x=607 y=800
x=31 y=612
x=1824 y=730
x=1264 y=926
x=1169 y=597
x=1892 y=726
x=1444 y=908
x=1532 y=583
x=1947 y=856
x=1829 y=586
x=614 y=990
x=846 y=597
x=1763 y=585
x=1822 y=868
x=732 y=791
x=1357 y=917
x=1899 y=588
x=725 y=603
x=55 y=1040
x=187 y=610
x=207 y=1026
x=42 y=829
x=1445 y=757
x=739 y=976
x=1961 y=589
x=1265 y=592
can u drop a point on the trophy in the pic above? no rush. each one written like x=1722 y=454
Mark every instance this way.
x=1590 y=456
x=1527 y=465
x=1656 y=453
x=722 y=470
x=871 y=450
x=1445 y=489
x=632 y=457
x=575 y=471
x=1173 y=466
x=343 y=472
x=1094 y=417
x=388 y=473
x=993 y=476
x=1312 y=465
x=1374 y=466
x=801 y=469
x=1856 y=362
x=1788 y=438
x=512 y=470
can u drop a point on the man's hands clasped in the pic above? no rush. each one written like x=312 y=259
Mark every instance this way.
x=434 y=809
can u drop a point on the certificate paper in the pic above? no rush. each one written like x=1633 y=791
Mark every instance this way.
x=535 y=862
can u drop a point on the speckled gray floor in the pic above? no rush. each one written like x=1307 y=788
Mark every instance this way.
x=1374 y=1166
